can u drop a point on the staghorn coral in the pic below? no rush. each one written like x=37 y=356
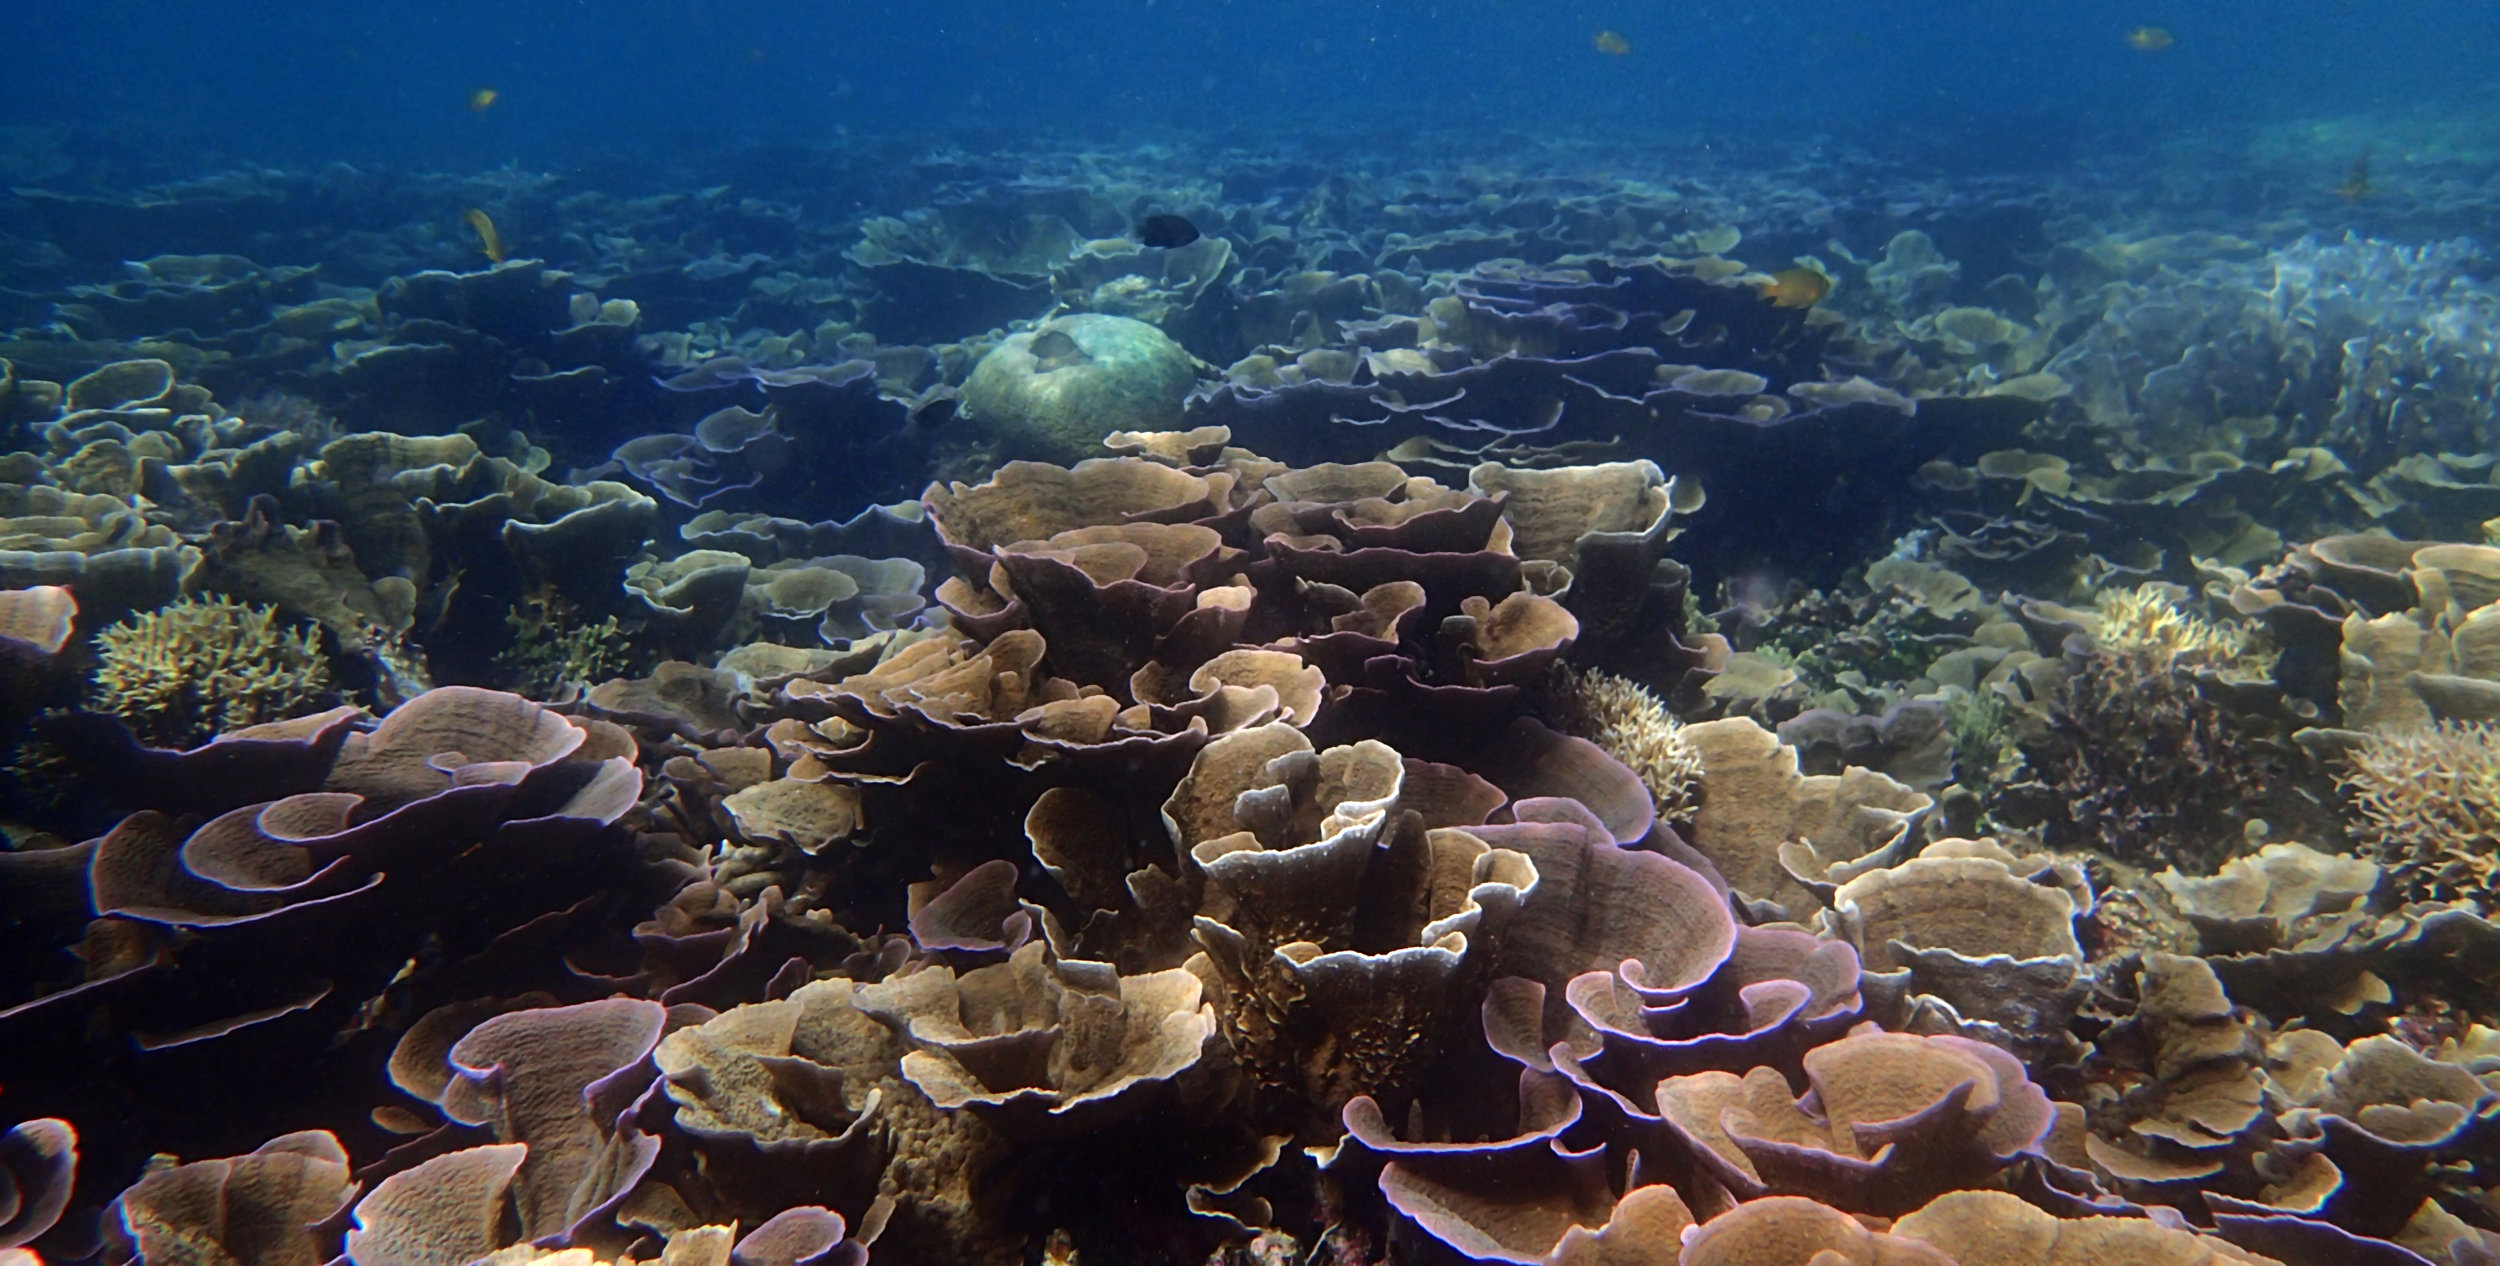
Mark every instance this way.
x=2426 y=800
x=200 y=667
x=1630 y=724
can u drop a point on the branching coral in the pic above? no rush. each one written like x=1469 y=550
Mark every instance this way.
x=2427 y=802
x=1984 y=744
x=553 y=643
x=2142 y=759
x=196 y=668
x=1633 y=727
x=2147 y=623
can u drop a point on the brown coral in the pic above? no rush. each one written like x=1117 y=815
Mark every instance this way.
x=2139 y=757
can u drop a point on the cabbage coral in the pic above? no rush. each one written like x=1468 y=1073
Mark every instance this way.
x=1631 y=725
x=187 y=672
x=2427 y=801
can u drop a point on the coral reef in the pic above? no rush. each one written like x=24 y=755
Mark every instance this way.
x=2139 y=755
x=1057 y=390
x=918 y=726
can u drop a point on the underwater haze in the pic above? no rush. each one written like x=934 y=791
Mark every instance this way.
x=384 y=84
x=1207 y=633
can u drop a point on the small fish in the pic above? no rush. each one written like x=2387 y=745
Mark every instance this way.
x=481 y=99
x=1165 y=232
x=1796 y=288
x=2150 y=39
x=2356 y=184
x=1611 y=43
x=488 y=240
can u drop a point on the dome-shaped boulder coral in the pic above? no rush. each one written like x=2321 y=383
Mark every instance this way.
x=1058 y=389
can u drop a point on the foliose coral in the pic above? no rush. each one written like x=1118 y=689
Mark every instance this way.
x=1213 y=780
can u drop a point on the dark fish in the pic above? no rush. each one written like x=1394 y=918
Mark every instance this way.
x=2356 y=184
x=1166 y=231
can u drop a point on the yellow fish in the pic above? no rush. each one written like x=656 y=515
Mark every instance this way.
x=488 y=240
x=1611 y=43
x=1796 y=288
x=481 y=99
x=2150 y=39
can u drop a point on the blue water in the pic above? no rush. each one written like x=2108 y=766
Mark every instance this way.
x=1978 y=80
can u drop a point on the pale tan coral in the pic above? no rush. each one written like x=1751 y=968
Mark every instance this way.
x=2427 y=801
x=694 y=1246
x=2147 y=622
x=1624 y=718
x=197 y=668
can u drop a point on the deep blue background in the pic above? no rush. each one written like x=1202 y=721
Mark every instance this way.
x=2004 y=79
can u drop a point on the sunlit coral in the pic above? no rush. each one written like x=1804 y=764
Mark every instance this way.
x=2427 y=801
x=198 y=667
x=2147 y=622
x=1633 y=726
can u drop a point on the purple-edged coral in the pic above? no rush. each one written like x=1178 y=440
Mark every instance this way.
x=1892 y=1120
x=268 y=1206
x=38 y=1161
x=462 y=818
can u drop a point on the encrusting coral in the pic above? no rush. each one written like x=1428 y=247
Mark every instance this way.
x=203 y=666
x=2427 y=801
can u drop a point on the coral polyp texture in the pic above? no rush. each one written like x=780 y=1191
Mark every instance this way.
x=2428 y=799
x=195 y=669
x=1457 y=715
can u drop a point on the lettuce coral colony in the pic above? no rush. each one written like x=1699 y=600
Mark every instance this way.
x=1437 y=720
